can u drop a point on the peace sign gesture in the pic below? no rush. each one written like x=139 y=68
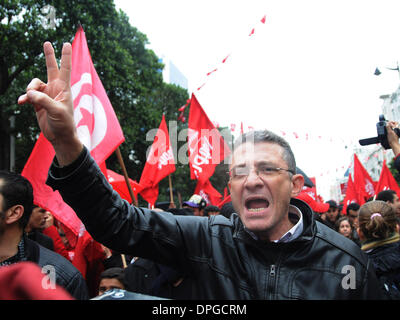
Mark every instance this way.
x=54 y=106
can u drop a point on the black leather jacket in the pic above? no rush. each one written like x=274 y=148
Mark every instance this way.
x=224 y=260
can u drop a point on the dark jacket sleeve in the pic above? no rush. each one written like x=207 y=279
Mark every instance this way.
x=112 y=221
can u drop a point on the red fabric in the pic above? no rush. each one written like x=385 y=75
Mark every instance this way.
x=159 y=164
x=86 y=250
x=119 y=185
x=150 y=194
x=88 y=259
x=36 y=170
x=310 y=198
x=207 y=148
x=363 y=183
x=208 y=193
x=311 y=190
x=386 y=181
x=225 y=192
x=98 y=129
x=25 y=281
x=59 y=246
x=226 y=200
x=351 y=195
x=263 y=19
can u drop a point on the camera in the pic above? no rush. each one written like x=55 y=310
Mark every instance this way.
x=382 y=134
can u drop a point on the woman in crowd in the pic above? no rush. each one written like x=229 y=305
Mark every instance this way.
x=379 y=235
x=344 y=227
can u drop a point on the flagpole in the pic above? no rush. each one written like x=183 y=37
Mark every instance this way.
x=121 y=162
x=171 y=195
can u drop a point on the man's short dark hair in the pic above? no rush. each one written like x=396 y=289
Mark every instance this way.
x=352 y=206
x=210 y=209
x=16 y=190
x=227 y=210
x=268 y=136
x=332 y=204
x=386 y=195
x=113 y=273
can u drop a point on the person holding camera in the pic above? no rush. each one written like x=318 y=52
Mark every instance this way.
x=393 y=140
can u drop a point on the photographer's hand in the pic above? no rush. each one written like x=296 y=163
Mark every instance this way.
x=392 y=137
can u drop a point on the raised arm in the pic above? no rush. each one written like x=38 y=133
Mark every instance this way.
x=393 y=139
x=54 y=106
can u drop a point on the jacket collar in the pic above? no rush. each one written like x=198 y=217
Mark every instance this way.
x=309 y=225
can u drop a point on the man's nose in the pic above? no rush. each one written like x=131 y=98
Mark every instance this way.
x=253 y=179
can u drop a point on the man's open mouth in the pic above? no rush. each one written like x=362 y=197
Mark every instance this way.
x=256 y=204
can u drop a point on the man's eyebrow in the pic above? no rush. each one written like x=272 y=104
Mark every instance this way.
x=265 y=163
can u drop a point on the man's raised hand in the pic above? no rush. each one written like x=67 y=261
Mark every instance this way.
x=54 y=106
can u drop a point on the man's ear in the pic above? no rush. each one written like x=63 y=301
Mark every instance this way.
x=14 y=214
x=298 y=183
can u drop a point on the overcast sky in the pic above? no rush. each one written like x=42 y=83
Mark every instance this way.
x=308 y=70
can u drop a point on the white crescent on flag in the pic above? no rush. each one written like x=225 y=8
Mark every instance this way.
x=89 y=115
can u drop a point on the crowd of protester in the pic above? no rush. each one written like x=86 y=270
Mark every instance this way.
x=271 y=241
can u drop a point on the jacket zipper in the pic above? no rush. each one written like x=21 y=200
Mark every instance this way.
x=271 y=281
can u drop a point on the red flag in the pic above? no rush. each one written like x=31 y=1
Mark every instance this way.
x=226 y=200
x=226 y=58
x=150 y=194
x=160 y=163
x=119 y=185
x=212 y=71
x=264 y=19
x=363 y=183
x=351 y=195
x=208 y=192
x=312 y=191
x=207 y=147
x=225 y=192
x=241 y=128
x=343 y=188
x=386 y=181
x=97 y=127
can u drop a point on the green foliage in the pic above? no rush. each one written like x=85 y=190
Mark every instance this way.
x=394 y=171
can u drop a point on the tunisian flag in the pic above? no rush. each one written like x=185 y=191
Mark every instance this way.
x=208 y=193
x=98 y=129
x=363 y=183
x=351 y=195
x=207 y=148
x=160 y=163
x=386 y=181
